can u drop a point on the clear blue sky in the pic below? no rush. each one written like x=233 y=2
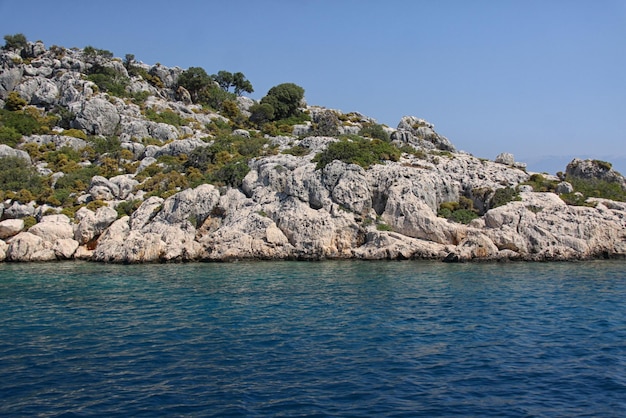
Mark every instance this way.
x=538 y=78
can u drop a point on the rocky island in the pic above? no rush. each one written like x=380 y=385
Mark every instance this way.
x=114 y=160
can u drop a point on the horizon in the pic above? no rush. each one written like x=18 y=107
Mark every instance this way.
x=544 y=81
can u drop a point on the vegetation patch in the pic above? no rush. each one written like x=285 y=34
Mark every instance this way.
x=593 y=188
x=357 y=150
x=462 y=211
x=503 y=196
x=540 y=184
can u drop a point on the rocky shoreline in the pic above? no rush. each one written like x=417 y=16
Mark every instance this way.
x=286 y=207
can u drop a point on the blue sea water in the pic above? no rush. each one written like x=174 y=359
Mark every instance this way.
x=324 y=339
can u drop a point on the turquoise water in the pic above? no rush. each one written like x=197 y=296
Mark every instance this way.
x=341 y=339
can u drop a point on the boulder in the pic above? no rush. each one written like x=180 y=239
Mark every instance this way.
x=7 y=151
x=505 y=158
x=39 y=91
x=92 y=224
x=9 y=79
x=17 y=210
x=564 y=188
x=10 y=227
x=191 y=205
x=97 y=116
x=65 y=248
x=29 y=247
x=102 y=188
x=53 y=227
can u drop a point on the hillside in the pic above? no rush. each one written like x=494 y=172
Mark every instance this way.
x=114 y=160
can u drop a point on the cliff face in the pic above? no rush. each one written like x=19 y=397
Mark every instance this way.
x=285 y=207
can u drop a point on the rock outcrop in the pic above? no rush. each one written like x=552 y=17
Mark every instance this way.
x=281 y=205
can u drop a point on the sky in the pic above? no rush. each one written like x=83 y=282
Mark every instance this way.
x=542 y=79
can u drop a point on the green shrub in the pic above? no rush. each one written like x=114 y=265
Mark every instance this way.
x=164 y=184
x=127 y=207
x=108 y=80
x=74 y=133
x=383 y=227
x=358 y=151
x=29 y=221
x=17 y=174
x=285 y=100
x=166 y=116
x=463 y=216
x=231 y=174
x=14 y=102
x=595 y=188
x=373 y=130
x=9 y=136
x=540 y=184
x=462 y=211
x=105 y=145
x=15 y=42
x=22 y=122
x=297 y=151
x=503 y=196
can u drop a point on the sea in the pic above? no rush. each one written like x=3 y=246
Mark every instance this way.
x=313 y=339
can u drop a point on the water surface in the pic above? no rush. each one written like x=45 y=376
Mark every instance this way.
x=346 y=338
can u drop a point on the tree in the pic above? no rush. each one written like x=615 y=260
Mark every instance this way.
x=226 y=80
x=261 y=113
x=285 y=100
x=241 y=84
x=129 y=59
x=195 y=79
x=16 y=42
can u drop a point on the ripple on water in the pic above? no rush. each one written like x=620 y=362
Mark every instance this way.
x=313 y=339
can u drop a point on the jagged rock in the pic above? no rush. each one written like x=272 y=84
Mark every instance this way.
x=145 y=213
x=145 y=162
x=39 y=91
x=121 y=245
x=59 y=141
x=162 y=131
x=182 y=146
x=9 y=79
x=302 y=129
x=102 y=188
x=421 y=134
x=542 y=226
x=17 y=210
x=349 y=186
x=594 y=169
x=247 y=235
x=10 y=227
x=92 y=224
x=3 y=250
x=169 y=76
x=406 y=214
x=191 y=205
x=381 y=245
x=65 y=248
x=125 y=185
x=97 y=117
x=183 y=95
